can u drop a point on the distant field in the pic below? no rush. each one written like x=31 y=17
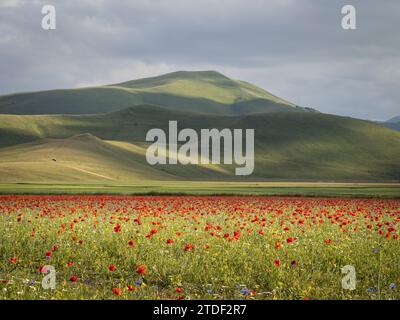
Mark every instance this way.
x=373 y=190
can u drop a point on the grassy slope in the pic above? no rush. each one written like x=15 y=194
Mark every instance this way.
x=394 y=120
x=206 y=92
x=83 y=159
x=78 y=159
x=295 y=145
x=393 y=125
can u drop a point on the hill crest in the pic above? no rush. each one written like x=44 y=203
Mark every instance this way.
x=194 y=91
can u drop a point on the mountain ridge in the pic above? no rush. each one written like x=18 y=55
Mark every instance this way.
x=393 y=123
x=198 y=91
x=288 y=145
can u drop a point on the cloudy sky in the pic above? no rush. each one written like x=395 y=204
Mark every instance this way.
x=296 y=49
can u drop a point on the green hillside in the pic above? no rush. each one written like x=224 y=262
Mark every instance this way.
x=393 y=123
x=98 y=134
x=394 y=120
x=82 y=158
x=201 y=92
x=289 y=145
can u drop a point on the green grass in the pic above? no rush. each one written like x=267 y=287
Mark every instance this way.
x=352 y=190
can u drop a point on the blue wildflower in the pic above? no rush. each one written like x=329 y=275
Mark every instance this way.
x=245 y=291
x=393 y=286
x=371 y=290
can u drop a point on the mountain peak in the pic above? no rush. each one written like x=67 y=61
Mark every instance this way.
x=208 y=75
x=196 y=74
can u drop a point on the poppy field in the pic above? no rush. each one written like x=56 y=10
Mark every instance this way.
x=197 y=247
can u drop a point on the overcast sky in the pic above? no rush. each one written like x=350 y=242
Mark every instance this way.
x=295 y=49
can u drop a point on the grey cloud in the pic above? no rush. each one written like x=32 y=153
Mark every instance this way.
x=295 y=49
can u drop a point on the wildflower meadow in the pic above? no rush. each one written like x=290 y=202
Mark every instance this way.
x=188 y=247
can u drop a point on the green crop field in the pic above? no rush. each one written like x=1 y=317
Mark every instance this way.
x=360 y=190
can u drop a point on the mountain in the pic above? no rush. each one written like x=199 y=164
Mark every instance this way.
x=394 y=120
x=111 y=147
x=98 y=134
x=198 y=91
x=393 y=123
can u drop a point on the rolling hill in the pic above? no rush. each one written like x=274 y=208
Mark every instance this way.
x=98 y=134
x=102 y=147
x=82 y=158
x=393 y=123
x=201 y=92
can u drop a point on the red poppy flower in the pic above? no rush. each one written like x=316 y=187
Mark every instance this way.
x=13 y=260
x=277 y=263
x=73 y=278
x=117 y=291
x=131 y=243
x=290 y=240
x=49 y=253
x=70 y=263
x=328 y=241
x=42 y=269
x=141 y=269
x=112 y=267
x=130 y=288
x=151 y=233
x=179 y=290
x=170 y=241
x=188 y=247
